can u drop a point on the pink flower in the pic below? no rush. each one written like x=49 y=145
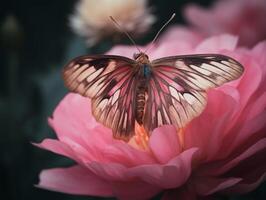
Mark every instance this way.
x=244 y=18
x=222 y=151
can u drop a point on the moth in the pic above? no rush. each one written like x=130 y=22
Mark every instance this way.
x=169 y=90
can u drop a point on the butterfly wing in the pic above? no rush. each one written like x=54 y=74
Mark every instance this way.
x=170 y=103
x=199 y=72
x=109 y=81
x=178 y=84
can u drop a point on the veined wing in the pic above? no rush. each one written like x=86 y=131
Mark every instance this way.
x=109 y=81
x=170 y=103
x=199 y=72
x=91 y=76
x=178 y=84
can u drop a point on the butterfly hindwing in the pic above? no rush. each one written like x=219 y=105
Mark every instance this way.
x=178 y=84
x=167 y=104
x=109 y=81
x=116 y=109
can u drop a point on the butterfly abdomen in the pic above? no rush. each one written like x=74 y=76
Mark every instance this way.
x=140 y=104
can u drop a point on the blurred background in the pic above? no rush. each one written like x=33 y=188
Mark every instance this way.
x=36 y=42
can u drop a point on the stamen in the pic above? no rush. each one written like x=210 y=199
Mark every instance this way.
x=180 y=134
x=141 y=136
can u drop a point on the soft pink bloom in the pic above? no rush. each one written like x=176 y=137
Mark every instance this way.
x=245 y=18
x=223 y=149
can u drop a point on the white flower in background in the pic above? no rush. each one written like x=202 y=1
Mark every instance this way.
x=91 y=18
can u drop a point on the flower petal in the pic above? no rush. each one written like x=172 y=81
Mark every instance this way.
x=221 y=167
x=216 y=44
x=74 y=180
x=207 y=131
x=171 y=175
x=209 y=185
x=72 y=117
x=245 y=187
x=164 y=143
x=134 y=189
x=57 y=147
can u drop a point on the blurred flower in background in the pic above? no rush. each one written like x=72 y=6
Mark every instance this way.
x=221 y=153
x=243 y=18
x=91 y=19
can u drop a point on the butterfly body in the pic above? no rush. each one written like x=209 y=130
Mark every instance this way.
x=143 y=75
x=170 y=90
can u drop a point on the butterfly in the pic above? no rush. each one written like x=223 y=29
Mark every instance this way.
x=169 y=90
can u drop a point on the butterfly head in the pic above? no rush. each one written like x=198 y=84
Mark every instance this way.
x=141 y=58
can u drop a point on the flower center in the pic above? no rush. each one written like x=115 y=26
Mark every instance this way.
x=141 y=138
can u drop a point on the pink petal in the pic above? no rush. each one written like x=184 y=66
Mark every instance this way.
x=243 y=18
x=108 y=171
x=73 y=151
x=74 y=180
x=258 y=105
x=209 y=185
x=221 y=167
x=207 y=130
x=164 y=143
x=197 y=16
x=252 y=171
x=57 y=147
x=243 y=188
x=216 y=44
x=134 y=189
x=124 y=186
x=124 y=50
x=177 y=36
x=259 y=55
x=127 y=155
x=72 y=117
x=248 y=130
x=250 y=80
x=171 y=175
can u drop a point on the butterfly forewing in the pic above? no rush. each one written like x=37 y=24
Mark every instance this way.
x=90 y=76
x=199 y=72
x=109 y=81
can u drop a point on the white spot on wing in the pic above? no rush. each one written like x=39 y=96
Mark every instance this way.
x=159 y=118
x=220 y=65
x=211 y=68
x=166 y=116
x=115 y=96
x=174 y=92
x=85 y=73
x=190 y=98
x=71 y=74
x=103 y=104
x=125 y=122
x=201 y=70
x=181 y=64
x=111 y=67
x=94 y=75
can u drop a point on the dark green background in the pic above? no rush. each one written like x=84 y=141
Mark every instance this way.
x=31 y=87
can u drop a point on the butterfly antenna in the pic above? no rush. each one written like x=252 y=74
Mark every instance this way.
x=120 y=28
x=158 y=33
